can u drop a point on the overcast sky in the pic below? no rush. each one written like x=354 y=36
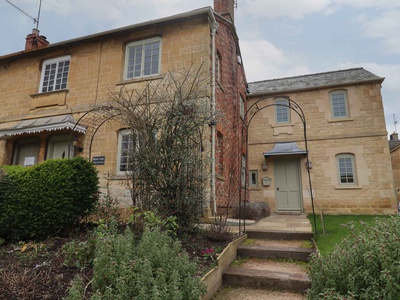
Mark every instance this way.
x=278 y=38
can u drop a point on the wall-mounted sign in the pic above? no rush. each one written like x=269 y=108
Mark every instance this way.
x=29 y=161
x=99 y=160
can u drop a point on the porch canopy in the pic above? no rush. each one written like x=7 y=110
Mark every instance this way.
x=289 y=148
x=53 y=123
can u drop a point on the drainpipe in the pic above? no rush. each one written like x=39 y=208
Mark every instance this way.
x=214 y=27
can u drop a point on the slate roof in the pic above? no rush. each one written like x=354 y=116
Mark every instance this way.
x=394 y=145
x=312 y=81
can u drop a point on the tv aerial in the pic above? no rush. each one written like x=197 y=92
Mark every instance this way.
x=35 y=20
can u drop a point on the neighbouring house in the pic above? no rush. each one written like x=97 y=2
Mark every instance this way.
x=349 y=160
x=46 y=89
x=394 y=147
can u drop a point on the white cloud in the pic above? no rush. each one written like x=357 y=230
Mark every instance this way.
x=386 y=27
x=382 y=4
x=263 y=60
x=283 y=8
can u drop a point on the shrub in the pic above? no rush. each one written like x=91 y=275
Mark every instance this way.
x=155 y=268
x=140 y=220
x=254 y=210
x=38 y=201
x=366 y=265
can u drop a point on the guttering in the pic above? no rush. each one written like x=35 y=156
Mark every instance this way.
x=214 y=27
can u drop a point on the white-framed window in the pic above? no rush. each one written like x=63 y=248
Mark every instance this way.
x=143 y=58
x=253 y=178
x=346 y=169
x=241 y=107
x=55 y=74
x=125 y=151
x=282 y=113
x=339 y=104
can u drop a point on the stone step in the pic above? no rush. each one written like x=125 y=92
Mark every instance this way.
x=265 y=279
x=279 y=235
x=271 y=251
x=240 y=293
x=268 y=274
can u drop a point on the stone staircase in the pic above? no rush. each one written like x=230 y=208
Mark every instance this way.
x=274 y=257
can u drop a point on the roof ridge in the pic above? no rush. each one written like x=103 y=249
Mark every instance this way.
x=308 y=75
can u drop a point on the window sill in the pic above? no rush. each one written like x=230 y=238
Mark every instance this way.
x=340 y=120
x=140 y=79
x=282 y=124
x=52 y=98
x=349 y=187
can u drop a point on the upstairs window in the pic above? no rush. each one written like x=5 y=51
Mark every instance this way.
x=346 y=168
x=339 y=105
x=55 y=74
x=282 y=114
x=143 y=58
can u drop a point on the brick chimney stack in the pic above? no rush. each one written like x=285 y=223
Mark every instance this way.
x=35 y=41
x=225 y=8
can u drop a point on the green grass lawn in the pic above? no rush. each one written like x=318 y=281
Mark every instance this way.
x=335 y=231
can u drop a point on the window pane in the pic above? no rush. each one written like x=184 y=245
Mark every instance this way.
x=282 y=112
x=54 y=74
x=339 y=105
x=346 y=171
x=143 y=59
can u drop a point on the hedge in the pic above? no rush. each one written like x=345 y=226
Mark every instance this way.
x=38 y=201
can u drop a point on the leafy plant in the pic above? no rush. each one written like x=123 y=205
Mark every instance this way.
x=79 y=254
x=139 y=220
x=366 y=265
x=39 y=201
x=210 y=253
x=153 y=268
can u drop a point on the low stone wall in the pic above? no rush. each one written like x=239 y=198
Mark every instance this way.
x=213 y=279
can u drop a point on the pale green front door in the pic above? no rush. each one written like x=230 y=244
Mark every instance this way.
x=288 y=185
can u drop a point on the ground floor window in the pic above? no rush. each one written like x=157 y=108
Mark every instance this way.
x=346 y=169
x=253 y=178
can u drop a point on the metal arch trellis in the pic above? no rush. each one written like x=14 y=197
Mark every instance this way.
x=92 y=120
x=251 y=112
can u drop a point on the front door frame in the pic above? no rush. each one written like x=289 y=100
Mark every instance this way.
x=298 y=185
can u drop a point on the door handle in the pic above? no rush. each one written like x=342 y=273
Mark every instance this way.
x=277 y=189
